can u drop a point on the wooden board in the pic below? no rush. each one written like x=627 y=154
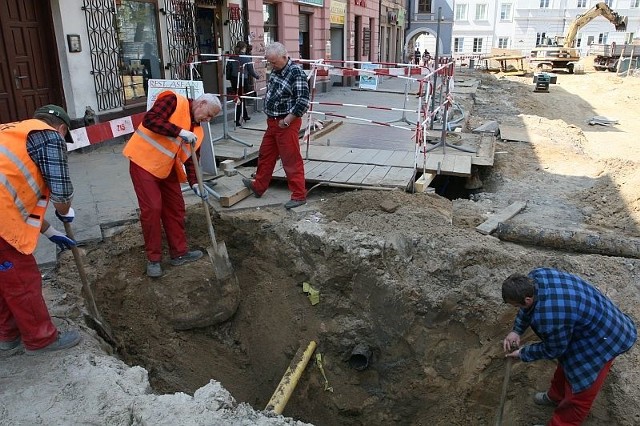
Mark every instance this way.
x=361 y=174
x=490 y=225
x=513 y=133
x=376 y=176
x=346 y=173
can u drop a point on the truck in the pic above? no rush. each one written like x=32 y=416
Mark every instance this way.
x=562 y=54
x=608 y=56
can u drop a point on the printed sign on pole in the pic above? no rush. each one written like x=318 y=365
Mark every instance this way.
x=189 y=88
x=369 y=81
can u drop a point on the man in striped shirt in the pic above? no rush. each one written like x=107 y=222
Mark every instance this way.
x=286 y=101
x=577 y=325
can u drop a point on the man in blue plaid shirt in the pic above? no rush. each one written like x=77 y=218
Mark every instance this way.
x=578 y=326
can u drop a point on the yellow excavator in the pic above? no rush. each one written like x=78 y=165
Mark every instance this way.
x=562 y=54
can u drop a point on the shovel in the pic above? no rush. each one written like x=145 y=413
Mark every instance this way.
x=218 y=251
x=94 y=317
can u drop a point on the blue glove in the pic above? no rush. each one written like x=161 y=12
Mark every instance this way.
x=66 y=218
x=59 y=238
x=196 y=190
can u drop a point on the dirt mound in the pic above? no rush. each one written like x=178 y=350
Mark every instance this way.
x=393 y=275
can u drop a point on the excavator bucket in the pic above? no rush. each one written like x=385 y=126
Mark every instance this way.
x=621 y=23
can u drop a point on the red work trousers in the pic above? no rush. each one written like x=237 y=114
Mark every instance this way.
x=286 y=144
x=23 y=312
x=161 y=206
x=573 y=408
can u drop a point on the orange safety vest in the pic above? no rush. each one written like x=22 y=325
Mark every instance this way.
x=158 y=154
x=24 y=194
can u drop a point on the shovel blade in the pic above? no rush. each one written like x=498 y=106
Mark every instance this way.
x=220 y=260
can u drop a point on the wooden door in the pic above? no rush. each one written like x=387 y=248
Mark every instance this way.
x=29 y=67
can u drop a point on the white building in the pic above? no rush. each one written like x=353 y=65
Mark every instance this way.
x=480 y=25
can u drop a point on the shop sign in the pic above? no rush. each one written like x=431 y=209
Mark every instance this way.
x=319 y=3
x=234 y=12
x=338 y=11
x=401 y=17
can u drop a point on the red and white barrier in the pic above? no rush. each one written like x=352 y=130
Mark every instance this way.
x=102 y=132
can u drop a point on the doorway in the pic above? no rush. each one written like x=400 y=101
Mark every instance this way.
x=209 y=39
x=29 y=66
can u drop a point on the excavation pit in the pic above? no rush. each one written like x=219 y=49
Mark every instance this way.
x=422 y=296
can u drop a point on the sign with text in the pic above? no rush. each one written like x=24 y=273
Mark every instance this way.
x=189 y=88
x=337 y=12
x=369 y=81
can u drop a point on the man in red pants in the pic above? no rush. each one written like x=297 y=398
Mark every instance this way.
x=33 y=162
x=578 y=325
x=286 y=101
x=160 y=159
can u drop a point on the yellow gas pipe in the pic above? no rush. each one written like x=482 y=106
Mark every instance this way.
x=290 y=379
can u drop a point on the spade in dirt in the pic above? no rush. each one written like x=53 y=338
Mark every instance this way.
x=226 y=282
x=93 y=317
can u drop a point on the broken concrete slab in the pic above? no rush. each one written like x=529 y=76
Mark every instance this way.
x=488 y=127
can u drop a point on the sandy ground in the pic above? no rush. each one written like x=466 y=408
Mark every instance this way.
x=404 y=274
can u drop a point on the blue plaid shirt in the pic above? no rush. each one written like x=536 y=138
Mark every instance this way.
x=287 y=92
x=577 y=324
x=49 y=151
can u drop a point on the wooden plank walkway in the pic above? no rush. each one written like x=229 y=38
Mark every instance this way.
x=392 y=168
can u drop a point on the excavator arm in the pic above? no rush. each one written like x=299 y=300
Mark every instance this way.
x=600 y=9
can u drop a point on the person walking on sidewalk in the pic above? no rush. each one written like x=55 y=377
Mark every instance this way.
x=578 y=325
x=157 y=151
x=286 y=101
x=34 y=166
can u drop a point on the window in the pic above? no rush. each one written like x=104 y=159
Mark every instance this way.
x=424 y=6
x=602 y=38
x=609 y=3
x=461 y=12
x=629 y=38
x=582 y=3
x=540 y=39
x=477 y=45
x=505 y=12
x=578 y=40
x=635 y=3
x=503 y=42
x=481 y=12
x=544 y=4
x=270 y=13
x=458 y=43
x=138 y=59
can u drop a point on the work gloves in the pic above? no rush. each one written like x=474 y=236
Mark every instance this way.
x=59 y=238
x=199 y=191
x=66 y=218
x=188 y=136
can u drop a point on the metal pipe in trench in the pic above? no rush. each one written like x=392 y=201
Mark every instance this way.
x=290 y=379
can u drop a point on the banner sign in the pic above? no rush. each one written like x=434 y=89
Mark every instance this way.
x=189 y=88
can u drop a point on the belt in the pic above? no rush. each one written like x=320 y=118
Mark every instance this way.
x=277 y=117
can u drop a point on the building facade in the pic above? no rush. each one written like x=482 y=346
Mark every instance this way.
x=520 y=25
x=100 y=54
x=425 y=31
